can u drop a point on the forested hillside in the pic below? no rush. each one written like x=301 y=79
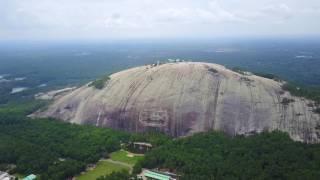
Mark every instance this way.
x=213 y=155
x=52 y=149
x=58 y=150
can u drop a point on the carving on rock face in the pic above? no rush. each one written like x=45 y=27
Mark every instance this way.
x=154 y=117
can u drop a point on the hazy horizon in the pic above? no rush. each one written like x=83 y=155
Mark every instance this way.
x=157 y=19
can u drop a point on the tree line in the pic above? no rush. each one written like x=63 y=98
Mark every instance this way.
x=213 y=155
x=54 y=149
x=50 y=148
x=57 y=150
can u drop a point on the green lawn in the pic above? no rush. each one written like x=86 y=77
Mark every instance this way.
x=103 y=168
x=122 y=156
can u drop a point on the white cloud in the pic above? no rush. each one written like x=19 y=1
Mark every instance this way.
x=154 y=18
x=214 y=13
x=272 y=13
x=116 y=21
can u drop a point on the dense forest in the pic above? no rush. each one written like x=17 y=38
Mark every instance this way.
x=52 y=149
x=122 y=175
x=57 y=150
x=213 y=155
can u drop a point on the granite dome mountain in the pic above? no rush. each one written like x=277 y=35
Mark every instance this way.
x=187 y=97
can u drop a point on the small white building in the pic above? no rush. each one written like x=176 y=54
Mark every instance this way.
x=148 y=174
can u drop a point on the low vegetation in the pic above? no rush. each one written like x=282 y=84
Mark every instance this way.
x=265 y=75
x=103 y=168
x=122 y=175
x=214 y=155
x=239 y=70
x=312 y=93
x=212 y=70
x=309 y=92
x=286 y=101
x=126 y=157
x=100 y=83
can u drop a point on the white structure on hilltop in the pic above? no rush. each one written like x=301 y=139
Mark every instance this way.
x=175 y=60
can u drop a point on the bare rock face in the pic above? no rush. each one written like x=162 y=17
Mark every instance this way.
x=187 y=97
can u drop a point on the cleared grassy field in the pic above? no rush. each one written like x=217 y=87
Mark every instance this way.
x=124 y=156
x=102 y=168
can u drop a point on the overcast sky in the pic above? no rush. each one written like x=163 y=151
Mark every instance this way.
x=90 y=19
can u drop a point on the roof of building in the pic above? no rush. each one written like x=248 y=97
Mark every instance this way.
x=157 y=176
x=143 y=144
x=30 y=177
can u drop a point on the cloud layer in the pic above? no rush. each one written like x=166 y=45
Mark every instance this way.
x=156 y=18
